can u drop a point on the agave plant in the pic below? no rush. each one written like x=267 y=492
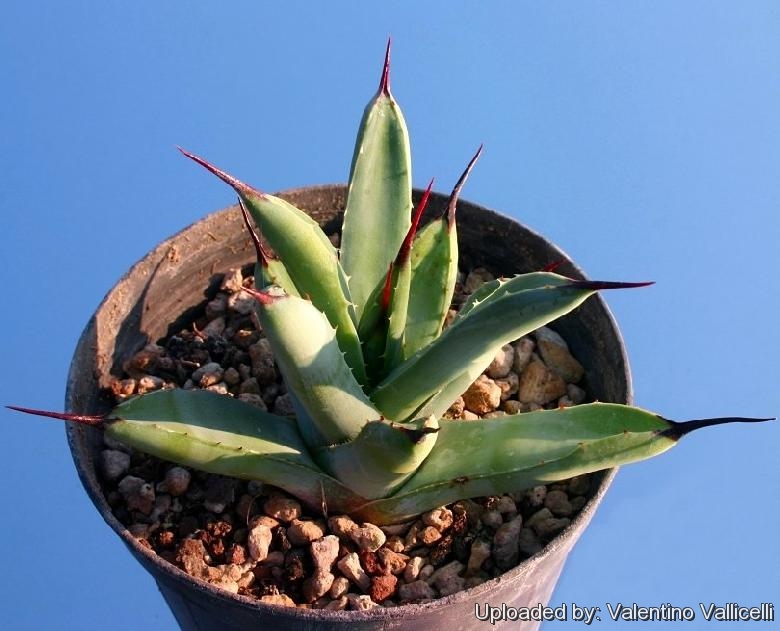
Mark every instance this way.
x=359 y=337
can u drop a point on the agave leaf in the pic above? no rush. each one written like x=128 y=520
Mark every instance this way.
x=308 y=256
x=479 y=295
x=373 y=332
x=222 y=435
x=395 y=299
x=442 y=399
x=382 y=457
x=379 y=199
x=434 y=271
x=396 y=322
x=374 y=352
x=512 y=453
x=314 y=369
x=269 y=270
x=375 y=313
x=430 y=380
x=382 y=327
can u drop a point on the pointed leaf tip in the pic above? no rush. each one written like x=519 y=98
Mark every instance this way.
x=598 y=285
x=387 y=289
x=406 y=246
x=679 y=429
x=453 y=203
x=84 y=419
x=238 y=185
x=384 y=82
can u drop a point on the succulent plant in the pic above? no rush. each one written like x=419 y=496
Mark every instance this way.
x=360 y=338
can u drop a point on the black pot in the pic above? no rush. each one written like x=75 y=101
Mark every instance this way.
x=171 y=281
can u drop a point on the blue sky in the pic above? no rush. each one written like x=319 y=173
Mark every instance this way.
x=643 y=138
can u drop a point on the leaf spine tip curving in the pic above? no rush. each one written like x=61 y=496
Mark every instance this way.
x=384 y=82
x=94 y=420
x=678 y=429
x=406 y=246
x=387 y=290
x=242 y=189
x=599 y=285
x=453 y=203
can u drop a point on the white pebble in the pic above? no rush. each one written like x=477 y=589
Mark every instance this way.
x=524 y=349
x=413 y=568
x=317 y=585
x=440 y=518
x=351 y=568
x=258 y=541
x=360 y=602
x=282 y=508
x=339 y=587
x=480 y=552
x=502 y=362
x=232 y=281
x=324 y=552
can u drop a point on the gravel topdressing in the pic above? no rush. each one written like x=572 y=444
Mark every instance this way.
x=253 y=539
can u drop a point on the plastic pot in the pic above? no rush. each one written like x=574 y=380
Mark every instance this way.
x=155 y=297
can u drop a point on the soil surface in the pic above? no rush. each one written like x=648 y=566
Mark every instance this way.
x=253 y=539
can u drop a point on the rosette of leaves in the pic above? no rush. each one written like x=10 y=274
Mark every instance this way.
x=359 y=338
